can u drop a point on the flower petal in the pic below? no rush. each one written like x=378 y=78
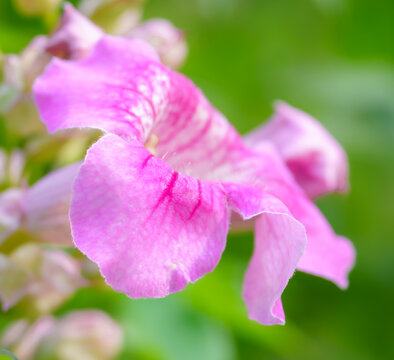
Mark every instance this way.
x=150 y=229
x=279 y=244
x=75 y=35
x=168 y=41
x=11 y=212
x=123 y=89
x=13 y=282
x=326 y=254
x=46 y=206
x=315 y=158
x=119 y=89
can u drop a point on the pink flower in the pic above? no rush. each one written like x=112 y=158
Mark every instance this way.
x=154 y=223
x=314 y=157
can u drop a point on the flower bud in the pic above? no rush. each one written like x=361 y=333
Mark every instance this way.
x=87 y=335
x=13 y=333
x=47 y=204
x=11 y=212
x=83 y=335
x=14 y=281
x=74 y=36
x=24 y=339
x=20 y=71
x=168 y=41
x=34 y=58
x=48 y=277
x=42 y=210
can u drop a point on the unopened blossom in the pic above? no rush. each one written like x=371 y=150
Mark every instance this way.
x=168 y=41
x=76 y=36
x=154 y=223
x=10 y=212
x=47 y=276
x=11 y=167
x=46 y=206
x=24 y=339
x=41 y=210
x=315 y=158
x=82 y=335
x=14 y=281
x=19 y=72
x=86 y=335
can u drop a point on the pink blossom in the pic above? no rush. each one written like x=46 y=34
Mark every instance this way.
x=314 y=157
x=154 y=223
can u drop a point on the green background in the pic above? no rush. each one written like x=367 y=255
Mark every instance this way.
x=333 y=59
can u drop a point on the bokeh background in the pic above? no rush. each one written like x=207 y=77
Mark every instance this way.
x=333 y=59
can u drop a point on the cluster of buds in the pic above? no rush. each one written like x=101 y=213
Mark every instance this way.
x=84 y=335
x=31 y=218
x=43 y=277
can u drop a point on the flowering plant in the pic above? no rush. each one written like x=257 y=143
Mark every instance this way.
x=153 y=200
x=155 y=218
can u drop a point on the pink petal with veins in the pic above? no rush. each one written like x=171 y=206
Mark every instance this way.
x=315 y=158
x=150 y=229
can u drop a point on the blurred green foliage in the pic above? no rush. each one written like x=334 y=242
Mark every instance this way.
x=333 y=59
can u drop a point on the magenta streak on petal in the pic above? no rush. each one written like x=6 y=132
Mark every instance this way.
x=138 y=93
x=167 y=192
x=198 y=204
x=125 y=121
x=198 y=137
x=145 y=162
